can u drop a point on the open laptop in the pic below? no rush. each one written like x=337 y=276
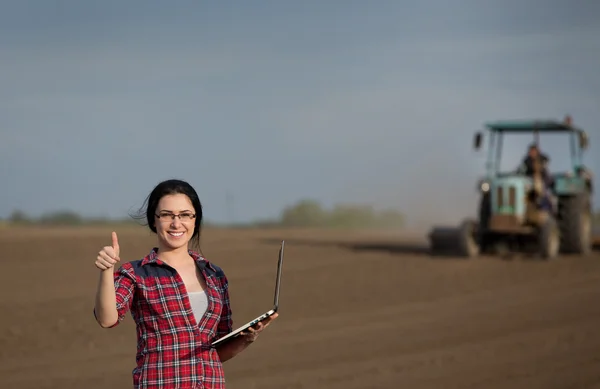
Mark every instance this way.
x=265 y=315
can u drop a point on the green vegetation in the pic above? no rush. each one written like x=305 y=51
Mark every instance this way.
x=305 y=213
x=61 y=218
x=309 y=213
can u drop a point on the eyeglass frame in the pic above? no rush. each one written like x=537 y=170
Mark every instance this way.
x=174 y=215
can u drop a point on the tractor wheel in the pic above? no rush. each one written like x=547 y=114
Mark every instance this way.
x=549 y=239
x=483 y=237
x=467 y=239
x=575 y=222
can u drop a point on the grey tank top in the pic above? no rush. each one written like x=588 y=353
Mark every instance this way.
x=199 y=302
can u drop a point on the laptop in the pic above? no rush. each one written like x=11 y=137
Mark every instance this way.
x=265 y=315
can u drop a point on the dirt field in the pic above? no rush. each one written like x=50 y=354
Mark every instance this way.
x=357 y=311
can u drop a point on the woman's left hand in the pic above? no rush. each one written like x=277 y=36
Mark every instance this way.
x=252 y=333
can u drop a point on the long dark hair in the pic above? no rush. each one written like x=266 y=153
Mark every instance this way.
x=170 y=187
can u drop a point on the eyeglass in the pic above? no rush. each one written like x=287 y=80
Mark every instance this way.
x=168 y=216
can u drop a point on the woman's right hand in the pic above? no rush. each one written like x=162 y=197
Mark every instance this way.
x=109 y=255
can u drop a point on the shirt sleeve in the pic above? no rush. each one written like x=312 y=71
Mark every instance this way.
x=124 y=291
x=225 y=325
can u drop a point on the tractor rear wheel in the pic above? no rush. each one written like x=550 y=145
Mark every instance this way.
x=575 y=222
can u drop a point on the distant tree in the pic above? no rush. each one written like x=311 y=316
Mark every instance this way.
x=64 y=218
x=19 y=217
x=306 y=213
x=352 y=216
x=309 y=213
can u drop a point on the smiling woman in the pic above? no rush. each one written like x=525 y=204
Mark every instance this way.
x=177 y=298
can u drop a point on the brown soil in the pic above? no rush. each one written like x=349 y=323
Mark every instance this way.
x=357 y=311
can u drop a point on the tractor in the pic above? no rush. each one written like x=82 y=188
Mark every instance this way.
x=550 y=212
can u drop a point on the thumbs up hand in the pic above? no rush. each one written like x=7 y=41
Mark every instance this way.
x=109 y=255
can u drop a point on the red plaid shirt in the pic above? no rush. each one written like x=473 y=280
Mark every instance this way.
x=173 y=350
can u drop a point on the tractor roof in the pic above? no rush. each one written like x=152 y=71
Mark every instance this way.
x=531 y=126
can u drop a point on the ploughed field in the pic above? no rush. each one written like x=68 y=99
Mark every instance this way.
x=358 y=310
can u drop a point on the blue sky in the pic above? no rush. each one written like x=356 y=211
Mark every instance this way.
x=354 y=101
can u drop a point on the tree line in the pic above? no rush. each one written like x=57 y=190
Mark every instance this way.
x=305 y=213
x=309 y=213
x=61 y=218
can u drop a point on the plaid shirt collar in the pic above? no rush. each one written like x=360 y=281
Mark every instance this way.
x=200 y=260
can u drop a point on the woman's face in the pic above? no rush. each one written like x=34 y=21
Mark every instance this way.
x=175 y=231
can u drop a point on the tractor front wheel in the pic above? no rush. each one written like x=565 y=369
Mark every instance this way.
x=549 y=239
x=468 y=244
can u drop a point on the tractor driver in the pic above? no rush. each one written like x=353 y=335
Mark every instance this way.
x=527 y=166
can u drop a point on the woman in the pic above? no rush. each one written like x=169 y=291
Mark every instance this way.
x=178 y=300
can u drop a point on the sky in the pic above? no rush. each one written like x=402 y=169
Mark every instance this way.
x=270 y=102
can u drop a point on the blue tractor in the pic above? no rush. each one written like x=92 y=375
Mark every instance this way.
x=550 y=212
